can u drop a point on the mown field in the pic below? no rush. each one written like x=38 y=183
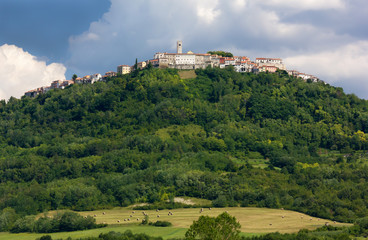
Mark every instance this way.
x=254 y=221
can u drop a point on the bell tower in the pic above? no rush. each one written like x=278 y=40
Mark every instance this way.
x=179 y=47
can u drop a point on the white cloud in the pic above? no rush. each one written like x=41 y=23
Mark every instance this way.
x=347 y=61
x=92 y=36
x=268 y=24
x=21 y=72
x=305 y=4
x=238 y=4
x=345 y=66
x=207 y=11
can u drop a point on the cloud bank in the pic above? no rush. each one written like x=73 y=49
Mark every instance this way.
x=307 y=34
x=21 y=72
x=345 y=66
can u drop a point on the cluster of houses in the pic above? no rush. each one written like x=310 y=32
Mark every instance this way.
x=184 y=61
x=61 y=84
x=303 y=76
x=190 y=60
x=55 y=84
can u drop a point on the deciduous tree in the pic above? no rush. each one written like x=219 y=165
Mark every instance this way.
x=222 y=227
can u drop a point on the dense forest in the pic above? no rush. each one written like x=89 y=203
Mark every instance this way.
x=265 y=140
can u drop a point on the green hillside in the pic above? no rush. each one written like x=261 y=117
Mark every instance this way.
x=266 y=140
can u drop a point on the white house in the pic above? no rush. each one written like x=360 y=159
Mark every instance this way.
x=277 y=62
x=230 y=61
x=96 y=77
x=185 y=59
x=242 y=67
x=124 y=69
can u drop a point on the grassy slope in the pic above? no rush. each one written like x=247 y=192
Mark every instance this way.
x=252 y=220
x=187 y=74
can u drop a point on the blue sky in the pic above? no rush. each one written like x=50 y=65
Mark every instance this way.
x=43 y=27
x=45 y=40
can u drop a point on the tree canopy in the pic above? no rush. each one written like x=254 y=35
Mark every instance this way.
x=222 y=227
x=221 y=53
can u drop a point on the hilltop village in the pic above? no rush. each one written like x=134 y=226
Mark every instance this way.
x=183 y=61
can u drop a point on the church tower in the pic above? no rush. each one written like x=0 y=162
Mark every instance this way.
x=179 y=47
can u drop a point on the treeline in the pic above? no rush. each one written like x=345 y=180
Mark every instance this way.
x=127 y=235
x=61 y=222
x=221 y=53
x=150 y=136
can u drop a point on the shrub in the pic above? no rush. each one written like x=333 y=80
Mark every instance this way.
x=161 y=224
x=45 y=237
x=220 y=202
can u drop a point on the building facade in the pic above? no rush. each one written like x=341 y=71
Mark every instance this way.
x=124 y=69
x=276 y=62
